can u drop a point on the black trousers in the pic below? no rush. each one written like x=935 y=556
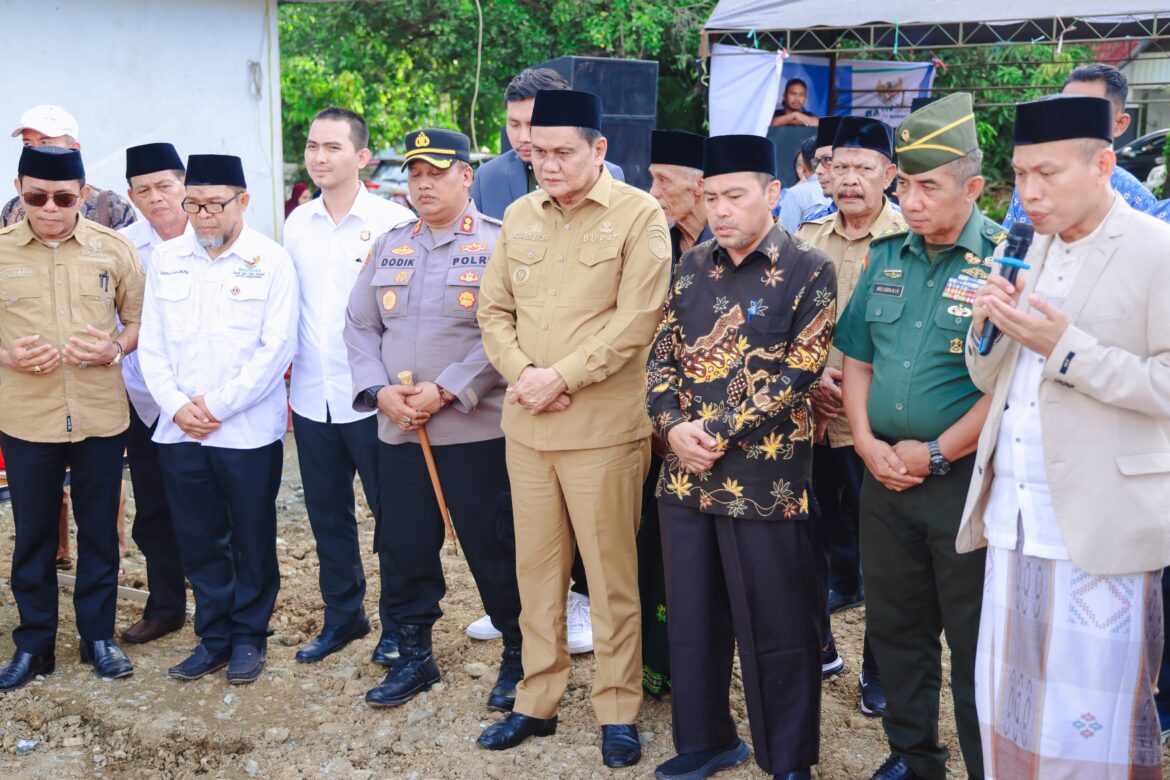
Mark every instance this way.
x=36 y=473
x=837 y=477
x=330 y=454
x=153 y=530
x=917 y=587
x=734 y=581
x=223 y=502
x=475 y=483
x=1162 y=698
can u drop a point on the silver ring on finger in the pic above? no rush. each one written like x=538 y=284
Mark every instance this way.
x=83 y=364
x=409 y=421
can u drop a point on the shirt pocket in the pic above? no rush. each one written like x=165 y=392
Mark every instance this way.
x=93 y=286
x=882 y=315
x=768 y=337
x=461 y=294
x=596 y=273
x=176 y=312
x=393 y=291
x=524 y=269
x=243 y=303
x=26 y=305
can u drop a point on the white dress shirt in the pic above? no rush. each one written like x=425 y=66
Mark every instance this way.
x=328 y=257
x=1020 y=498
x=145 y=239
x=224 y=329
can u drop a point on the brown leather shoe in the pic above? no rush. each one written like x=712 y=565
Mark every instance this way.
x=149 y=630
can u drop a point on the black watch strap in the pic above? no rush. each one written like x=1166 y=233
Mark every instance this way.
x=371 y=394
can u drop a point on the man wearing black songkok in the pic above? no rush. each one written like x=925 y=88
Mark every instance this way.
x=744 y=337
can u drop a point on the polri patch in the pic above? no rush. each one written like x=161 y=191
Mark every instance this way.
x=473 y=247
x=389 y=300
x=469 y=276
x=405 y=249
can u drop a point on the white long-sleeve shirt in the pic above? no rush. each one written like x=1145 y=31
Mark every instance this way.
x=224 y=329
x=328 y=257
x=145 y=239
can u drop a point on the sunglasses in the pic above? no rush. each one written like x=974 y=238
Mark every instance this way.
x=63 y=200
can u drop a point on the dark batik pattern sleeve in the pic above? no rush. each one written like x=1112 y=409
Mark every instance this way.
x=799 y=365
x=663 y=385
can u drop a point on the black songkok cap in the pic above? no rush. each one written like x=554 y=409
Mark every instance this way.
x=827 y=130
x=1061 y=117
x=152 y=158
x=738 y=154
x=566 y=108
x=214 y=169
x=51 y=163
x=860 y=132
x=440 y=148
x=676 y=147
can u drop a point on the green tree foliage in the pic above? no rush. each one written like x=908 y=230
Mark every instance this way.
x=408 y=63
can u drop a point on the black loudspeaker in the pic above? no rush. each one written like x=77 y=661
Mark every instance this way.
x=787 y=140
x=629 y=106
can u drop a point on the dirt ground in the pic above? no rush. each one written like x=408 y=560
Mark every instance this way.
x=300 y=721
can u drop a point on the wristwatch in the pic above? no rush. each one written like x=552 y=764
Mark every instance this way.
x=939 y=465
x=121 y=354
x=371 y=395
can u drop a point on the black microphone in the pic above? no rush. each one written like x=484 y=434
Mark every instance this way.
x=1018 y=240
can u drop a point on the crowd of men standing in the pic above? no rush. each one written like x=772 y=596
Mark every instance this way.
x=667 y=401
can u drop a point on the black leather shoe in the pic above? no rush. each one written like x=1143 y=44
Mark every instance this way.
x=696 y=766
x=414 y=672
x=514 y=729
x=386 y=653
x=620 y=745
x=799 y=774
x=331 y=639
x=149 y=630
x=503 y=694
x=246 y=663
x=842 y=601
x=199 y=664
x=23 y=668
x=107 y=658
x=895 y=768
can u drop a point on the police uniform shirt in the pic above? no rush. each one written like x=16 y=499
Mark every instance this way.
x=145 y=240
x=581 y=293
x=224 y=329
x=413 y=309
x=91 y=278
x=828 y=235
x=909 y=318
x=739 y=347
x=328 y=258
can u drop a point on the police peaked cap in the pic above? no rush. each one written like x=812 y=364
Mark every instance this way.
x=440 y=148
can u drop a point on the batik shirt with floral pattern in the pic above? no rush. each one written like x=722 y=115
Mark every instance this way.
x=740 y=348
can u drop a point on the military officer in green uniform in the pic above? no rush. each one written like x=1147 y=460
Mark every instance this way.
x=915 y=417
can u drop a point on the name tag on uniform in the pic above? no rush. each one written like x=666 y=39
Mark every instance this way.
x=889 y=289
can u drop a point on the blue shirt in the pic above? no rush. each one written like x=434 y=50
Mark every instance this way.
x=1128 y=187
x=800 y=200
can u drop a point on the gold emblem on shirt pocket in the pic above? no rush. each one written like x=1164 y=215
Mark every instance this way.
x=393 y=290
x=523 y=268
x=461 y=297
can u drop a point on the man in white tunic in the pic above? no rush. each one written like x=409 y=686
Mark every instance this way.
x=222 y=314
x=1071 y=489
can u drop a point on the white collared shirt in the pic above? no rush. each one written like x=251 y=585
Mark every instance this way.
x=328 y=258
x=1020 y=487
x=224 y=329
x=145 y=239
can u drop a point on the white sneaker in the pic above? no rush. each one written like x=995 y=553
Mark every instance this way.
x=580 y=624
x=483 y=629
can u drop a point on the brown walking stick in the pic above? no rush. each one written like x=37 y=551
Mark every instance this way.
x=407 y=378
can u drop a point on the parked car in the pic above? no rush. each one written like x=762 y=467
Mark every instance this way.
x=1142 y=154
x=389 y=181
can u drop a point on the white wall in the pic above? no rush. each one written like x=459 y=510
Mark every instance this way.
x=135 y=71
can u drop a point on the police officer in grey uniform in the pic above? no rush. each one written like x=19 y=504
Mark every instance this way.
x=413 y=309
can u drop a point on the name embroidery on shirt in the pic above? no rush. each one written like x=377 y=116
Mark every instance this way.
x=533 y=233
x=93 y=248
x=392 y=262
x=18 y=272
x=889 y=289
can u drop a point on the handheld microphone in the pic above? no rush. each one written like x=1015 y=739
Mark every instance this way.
x=1018 y=240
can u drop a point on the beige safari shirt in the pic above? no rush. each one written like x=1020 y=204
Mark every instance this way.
x=582 y=293
x=848 y=255
x=91 y=278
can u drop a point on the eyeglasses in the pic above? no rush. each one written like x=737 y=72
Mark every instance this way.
x=63 y=200
x=211 y=208
x=826 y=161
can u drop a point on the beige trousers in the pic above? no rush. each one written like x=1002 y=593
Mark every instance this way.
x=593 y=497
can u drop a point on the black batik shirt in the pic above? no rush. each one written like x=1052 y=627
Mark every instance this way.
x=740 y=348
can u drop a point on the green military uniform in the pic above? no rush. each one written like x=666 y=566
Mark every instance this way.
x=908 y=318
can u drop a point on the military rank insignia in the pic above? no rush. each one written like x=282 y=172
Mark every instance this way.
x=468 y=224
x=961 y=288
x=401 y=277
x=956 y=347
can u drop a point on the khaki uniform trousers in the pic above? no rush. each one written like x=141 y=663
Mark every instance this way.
x=592 y=497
